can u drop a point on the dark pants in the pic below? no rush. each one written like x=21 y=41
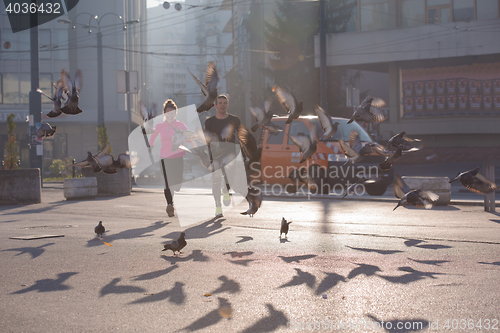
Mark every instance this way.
x=172 y=173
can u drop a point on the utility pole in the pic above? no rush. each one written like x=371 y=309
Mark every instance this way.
x=323 y=77
x=35 y=99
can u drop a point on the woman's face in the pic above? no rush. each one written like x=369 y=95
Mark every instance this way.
x=170 y=114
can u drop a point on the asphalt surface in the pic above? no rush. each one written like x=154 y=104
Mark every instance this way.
x=347 y=265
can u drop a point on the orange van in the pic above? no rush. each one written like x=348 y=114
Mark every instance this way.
x=280 y=157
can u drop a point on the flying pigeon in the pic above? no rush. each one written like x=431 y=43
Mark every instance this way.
x=329 y=128
x=417 y=198
x=289 y=102
x=72 y=88
x=99 y=229
x=402 y=140
x=180 y=136
x=46 y=130
x=362 y=180
x=148 y=115
x=95 y=161
x=58 y=98
x=272 y=128
x=302 y=176
x=284 y=227
x=251 y=151
x=209 y=89
x=177 y=245
x=368 y=111
x=109 y=165
x=475 y=181
x=389 y=161
x=307 y=144
x=261 y=116
x=254 y=198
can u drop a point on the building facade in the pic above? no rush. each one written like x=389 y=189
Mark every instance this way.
x=442 y=59
x=69 y=43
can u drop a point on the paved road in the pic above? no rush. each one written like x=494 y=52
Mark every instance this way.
x=372 y=264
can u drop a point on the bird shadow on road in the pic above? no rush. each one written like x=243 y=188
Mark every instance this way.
x=203 y=230
x=112 y=288
x=129 y=234
x=46 y=285
x=155 y=274
x=416 y=324
x=244 y=239
x=363 y=269
x=270 y=323
x=430 y=262
x=301 y=278
x=384 y=252
x=495 y=263
x=241 y=262
x=297 y=259
x=496 y=221
x=210 y=319
x=418 y=243
x=330 y=281
x=227 y=285
x=34 y=251
x=175 y=295
x=195 y=255
x=284 y=240
x=412 y=275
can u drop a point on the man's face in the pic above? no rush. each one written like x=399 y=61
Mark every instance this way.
x=221 y=105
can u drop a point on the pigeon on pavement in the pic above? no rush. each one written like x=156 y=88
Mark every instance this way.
x=99 y=229
x=72 y=88
x=417 y=198
x=368 y=111
x=209 y=89
x=254 y=198
x=475 y=181
x=289 y=102
x=284 y=227
x=177 y=245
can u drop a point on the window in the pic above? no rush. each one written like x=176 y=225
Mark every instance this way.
x=60 y=41
x=438 y=11
x=374 y=15
x=25 y=87
x=10 y=84
x=278 y=138
x=46 y=86
x=55 y=147
x=486 y=9
x=463 y=10
x=412 y=13
x=44 y=43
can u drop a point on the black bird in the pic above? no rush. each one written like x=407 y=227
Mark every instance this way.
x=326 y=123
x=254 y=198
x=99 y=229
x=284 y=227
x=72 y=88
x=474 y=181
x=58 y=98
x=98 y=162
x=289 y=102
x=402 y=140
x=417 y=198
x=307 y=144
x=261 y=116
x=368 y=111
x=389 y=161
x=109 y=165
x=251 y=151
x=177 y=245
x=46 y=130
x=209 y=89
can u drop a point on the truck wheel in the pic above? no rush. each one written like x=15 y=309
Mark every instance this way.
x=319 y=176
x=375 y=189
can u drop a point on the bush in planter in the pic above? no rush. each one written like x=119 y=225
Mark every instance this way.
x=102 y=137
x=11 y=156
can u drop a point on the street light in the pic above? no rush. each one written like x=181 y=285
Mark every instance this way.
x=100 y=83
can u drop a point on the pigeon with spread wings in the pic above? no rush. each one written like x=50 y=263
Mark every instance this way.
x=417 y=198
x=402 y=140
x=209 y=89
x=46 y=130
x=147 y=116
x=289 y=102
x=72 y=88
x=307 y=144
x=261 y=116
x=59 y=96
x=329 y=128
x=475 y=181
x=368 y=111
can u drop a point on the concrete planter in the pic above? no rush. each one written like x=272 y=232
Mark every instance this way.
x=116 y=184
x=21 y=186
x=80 y=188
x=438 y=185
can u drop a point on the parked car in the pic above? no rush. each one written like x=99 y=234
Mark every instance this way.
x=280 y=157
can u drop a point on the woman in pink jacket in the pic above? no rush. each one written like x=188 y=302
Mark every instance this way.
x=171 y=160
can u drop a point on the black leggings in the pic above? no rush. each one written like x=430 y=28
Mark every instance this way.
x=175 y=167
